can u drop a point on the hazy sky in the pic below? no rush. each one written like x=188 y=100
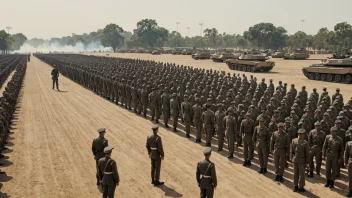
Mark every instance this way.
x=57 y=18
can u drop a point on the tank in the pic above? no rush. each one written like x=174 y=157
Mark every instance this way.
x=176 y=51
x=296 y=54
x=223 y=56
x=201 y=55
x=156 y=52
x=187 y=52
x=277 y=54
x=336 y=69
x=251 y=63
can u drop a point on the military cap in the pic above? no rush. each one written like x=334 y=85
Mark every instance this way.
x=197 y=99
x=261 y=120
x=155 y=127
x=337 y=121
x=277 y=111
x=285 y=83
x=303 y=87
x=301 y=131
x=248 y=114
x=229 y=110
x=271 y=80
x=280 y=124
x=293 y=112
x=101 y=130
x=292 y=85
x=263 y=110
x=337 y=89
x=280 y=82
x=233 y=102
x=339 y=117
x=174 y=95
x=108 y=149
x=333 y=129
x=288 y=120
x=314 y=89
x=272 y=99
x=208 y=99
x=317 y=124
x=153 y=88
x=324 y=88
x=185 y=96
x=325 y=114
x=207 y=151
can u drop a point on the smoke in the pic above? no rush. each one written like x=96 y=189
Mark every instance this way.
x=47 y=47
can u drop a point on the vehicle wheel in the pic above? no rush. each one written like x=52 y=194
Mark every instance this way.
x=317 y=76
x=323 y=77
x=249 y=69
x=239 y=67
x=311 y=76
x=329 y=77
x=338 y=78
x=348 y=79
x=252 y=68
x=235 y=67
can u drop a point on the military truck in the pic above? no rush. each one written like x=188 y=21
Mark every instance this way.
x=296 y=54
x=335 y=69
x=223 y=56
x=277 y=54
x=251 y=63
x=201 y=55
x=156 y=52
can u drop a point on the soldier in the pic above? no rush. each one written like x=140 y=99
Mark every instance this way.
x=316 y=139
x=342 y=134
x=156 y=154
x=279 y=146
x=299 y=155
x=98 y=146
x=109 y=173
x=165 y=101
x=337 y=94
x=208 y=119
x=186 y=110
x=175 y=110
x=246 y=129
x=154 y=100
x=333 y=154
x=261 y=137
x=206 y=175
x=229 y=124
x=219 y=117
x=196 y=115
x=55 y=78
x=348 y=163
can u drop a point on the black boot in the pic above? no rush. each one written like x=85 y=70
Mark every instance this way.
x=157 y=121
x=158 y=183
x=301 y=190
x=166 y=126
x=331 y=184
x=188 y=136
x=152 y=181
x=175 y=130
x=281 y=179
x=310 y=174
x=349 y=194
x=152 y=119
x=277 y=178
x=230 y=156
x=261 y=170
x=295 y=188
x=98 y=182
x=244 y=163
x=249 y=163
x=265 y=170
x=327 y=183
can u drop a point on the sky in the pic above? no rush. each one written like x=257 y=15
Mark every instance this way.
x=56 y=18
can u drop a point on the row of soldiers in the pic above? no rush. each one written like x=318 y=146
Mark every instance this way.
x=215 y=103
x=9 y=99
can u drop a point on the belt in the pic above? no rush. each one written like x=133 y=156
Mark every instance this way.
x=107 y=173
x=153 y=148
x=204 y=176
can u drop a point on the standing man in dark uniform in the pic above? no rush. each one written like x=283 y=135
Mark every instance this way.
x=206 y=175
x=55 y=78
x=109 y=173
x=156 y=154
x=98 y=146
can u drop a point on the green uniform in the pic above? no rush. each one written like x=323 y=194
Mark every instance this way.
x=110 y=176
x=98 y=146
x=261 y=137
x=315 y=141
x=156 y=152
x=206 y=178
x=348 y=160
x=208 y=119
x=299 y=155
x=279 y=146
x=247 y=128
x=333 y=151
x=197 y=114
x=229 y=124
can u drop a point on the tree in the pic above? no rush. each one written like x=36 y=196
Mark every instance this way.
x=241 y=42
x=18 y=41
x=344 y=34
x=112 y=36
x=149 y=34
x=260 y=34
x=175 y=39
x=4 y=41
x=320 y=39
x=298 y=40
x=35 y=42
x=211 y=35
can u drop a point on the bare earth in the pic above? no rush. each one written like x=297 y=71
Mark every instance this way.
x=50 y=146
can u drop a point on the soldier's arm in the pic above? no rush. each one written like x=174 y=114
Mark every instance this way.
x=198 y=174
x=268 y=139
x=307 y=153
x=148 y=147
x=160 y=147
x=325 y=146
x=287 y=145
x=106 y=143
x=272 y=142
x=241 y=128
x=115 y=173
x=347 y=152
x=292 y=149
x=310 y=139
x=341 y=151
x=254 y=138
x=213 y=176
x=93 y=148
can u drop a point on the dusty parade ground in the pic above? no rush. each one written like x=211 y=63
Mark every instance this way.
x=50 y=146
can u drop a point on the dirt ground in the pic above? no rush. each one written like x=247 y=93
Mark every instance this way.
x=50 y=146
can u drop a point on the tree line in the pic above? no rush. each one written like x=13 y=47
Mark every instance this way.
x=148 y=34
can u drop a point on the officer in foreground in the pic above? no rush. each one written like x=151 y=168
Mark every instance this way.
x=206 y=175
x=55 y=78
x=156 y=154
x=98 y=146
x=299 y=155
x=109 y=174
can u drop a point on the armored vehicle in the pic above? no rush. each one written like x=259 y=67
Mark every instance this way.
x=277 y=54
x=335 y=69
x=300 y=53
x=156 y=52
x=251 y=63
x=223 y=56
x=187 y=52
x=201 y=55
